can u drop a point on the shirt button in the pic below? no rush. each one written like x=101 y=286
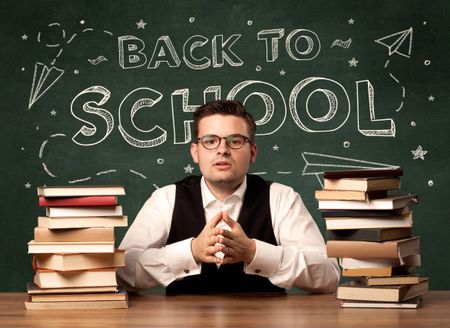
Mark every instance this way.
x=257 y=271
x=186 y=271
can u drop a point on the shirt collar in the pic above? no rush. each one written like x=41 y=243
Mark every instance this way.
x=208 y=197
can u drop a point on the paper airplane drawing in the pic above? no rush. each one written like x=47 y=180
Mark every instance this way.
x=43 y=79
x=399 y=43
x=316 y=164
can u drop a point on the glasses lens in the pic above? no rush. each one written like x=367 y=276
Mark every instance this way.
x=210 y=141
x=235 y=141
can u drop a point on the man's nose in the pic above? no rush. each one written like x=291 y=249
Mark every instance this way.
x=223 y=147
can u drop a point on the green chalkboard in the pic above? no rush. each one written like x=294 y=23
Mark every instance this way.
x=101 y=92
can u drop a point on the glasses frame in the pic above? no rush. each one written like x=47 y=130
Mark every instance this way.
x=227 y=141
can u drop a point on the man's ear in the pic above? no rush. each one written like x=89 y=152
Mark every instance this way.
x=194 y=152
x=253 y=153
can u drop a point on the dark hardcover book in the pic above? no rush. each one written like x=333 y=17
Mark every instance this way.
x=369 y=173
x=369 y=234
x=363 y=213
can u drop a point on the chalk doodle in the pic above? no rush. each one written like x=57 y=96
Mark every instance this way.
x=419 y=153
x=399 y=43
x=341 y=43
x=77 y=180
x=45 y=76
x=316 y=164
x=97 y=60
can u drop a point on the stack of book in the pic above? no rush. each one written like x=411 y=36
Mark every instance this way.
x=74 y=254
x=369 y=231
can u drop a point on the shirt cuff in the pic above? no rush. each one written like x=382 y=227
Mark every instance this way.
x=266 y=261
x=180 y=260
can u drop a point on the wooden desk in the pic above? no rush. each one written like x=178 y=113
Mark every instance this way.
x=292 y=310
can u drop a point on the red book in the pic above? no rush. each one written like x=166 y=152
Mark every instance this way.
x=77 y=201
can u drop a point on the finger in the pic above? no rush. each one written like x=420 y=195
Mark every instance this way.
x=227 y=234
x=228 y=220
x=215 y=240
x=216 y=231
x=211 y=250
x=215 y=220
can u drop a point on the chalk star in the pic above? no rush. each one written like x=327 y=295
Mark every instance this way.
x=24 y=37
x=431 y=98
x=351 y=21
x=419 y=153
x=53 y=112
x=282 y=72
x=27 y=185
x=141 y=24
x=353 y=62
x=275 y=147
x=188 y=169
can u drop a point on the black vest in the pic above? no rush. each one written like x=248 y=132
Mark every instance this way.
x=188 y=221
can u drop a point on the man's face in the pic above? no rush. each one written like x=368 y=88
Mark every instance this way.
x=223 y=168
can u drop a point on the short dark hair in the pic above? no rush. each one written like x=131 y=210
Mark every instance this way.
x=225 y=107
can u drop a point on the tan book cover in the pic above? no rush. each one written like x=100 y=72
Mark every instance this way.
x=43 y=247
x=82 y=222
x=80 y=261
x=94 y=305
x=354 y=291
x=362 y=184
x=87 y=278
x=368 y=249
x=32 y=289
x=67 y=235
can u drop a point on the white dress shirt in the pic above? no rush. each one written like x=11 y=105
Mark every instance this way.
x=299 y=260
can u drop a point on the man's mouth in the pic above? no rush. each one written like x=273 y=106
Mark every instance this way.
x=222 y=164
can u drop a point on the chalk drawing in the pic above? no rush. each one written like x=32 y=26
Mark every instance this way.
x=419 y=153
x=44 y=76
x=341 y=43
x=97 y=60
x=141 y=24
x=316 y=164
x=188 y=169
x=399 y=43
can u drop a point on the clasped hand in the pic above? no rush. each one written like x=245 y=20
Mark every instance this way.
x=234 y=243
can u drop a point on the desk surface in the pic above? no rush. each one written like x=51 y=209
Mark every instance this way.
x=292 y=310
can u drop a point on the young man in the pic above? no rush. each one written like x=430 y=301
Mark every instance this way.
x=225 y=231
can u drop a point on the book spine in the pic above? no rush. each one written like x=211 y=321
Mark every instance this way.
x=77 y=201
x=361 y=249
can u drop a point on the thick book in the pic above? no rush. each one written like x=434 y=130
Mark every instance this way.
x=69 y=305
x=71 y=279
x=78 y=201
x=368 y=249
x=412 y=303
x=79 y=261
x=82 y=222
x=121 y=295
x=352 y=263
x=349 y=195
x=354 y=291
x=411 y=279
x=343 y=223
x=35 y=247
x=67 y=235
x=364 y=213
x=388 y=203
x=72 y=191
x=388 y=271
x=74 y=211
x=366 y=173
x=32 y=289
x=362 y=184
x=373 y=234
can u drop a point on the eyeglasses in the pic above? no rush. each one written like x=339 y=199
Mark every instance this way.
x=234 y=141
